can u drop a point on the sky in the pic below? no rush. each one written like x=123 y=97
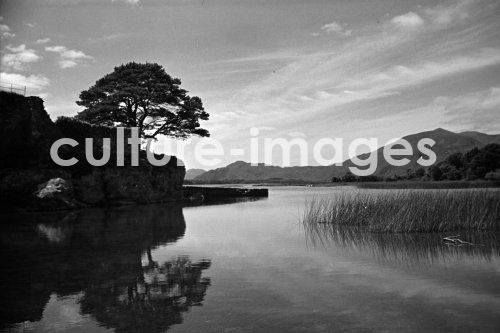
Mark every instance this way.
x=293 y=69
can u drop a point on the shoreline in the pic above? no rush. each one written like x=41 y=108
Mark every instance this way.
x=364 y=185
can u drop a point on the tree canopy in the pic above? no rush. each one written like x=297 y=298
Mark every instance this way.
x=143 y=96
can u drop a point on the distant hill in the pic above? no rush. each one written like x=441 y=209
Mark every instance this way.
x=447 y=143
x=193 y=173
x=482 y=137
x=244 y=172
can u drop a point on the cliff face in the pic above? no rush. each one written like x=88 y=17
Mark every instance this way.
x=26 y=169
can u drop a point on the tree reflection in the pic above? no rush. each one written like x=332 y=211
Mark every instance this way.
x=98 y=253
x=151 y=303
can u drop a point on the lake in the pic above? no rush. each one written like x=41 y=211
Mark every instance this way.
x=249 y=266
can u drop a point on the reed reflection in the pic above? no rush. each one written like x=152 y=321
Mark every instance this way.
x=414 y=249
x=98 y=255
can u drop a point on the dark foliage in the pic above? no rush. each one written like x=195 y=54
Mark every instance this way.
x=349 y=177
x=27 y=132
x=79 y=130
x=477 y=163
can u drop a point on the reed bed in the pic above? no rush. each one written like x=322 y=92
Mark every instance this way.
x=408 y=210
x=444 y=184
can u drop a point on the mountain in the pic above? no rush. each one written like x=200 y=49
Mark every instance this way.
x=482 y=137
x=447 y=143
x=193 y=173
x=244 y=172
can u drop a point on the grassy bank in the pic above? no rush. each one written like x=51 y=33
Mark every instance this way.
x=408 y=210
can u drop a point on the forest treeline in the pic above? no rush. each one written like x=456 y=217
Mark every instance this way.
x=476 y=164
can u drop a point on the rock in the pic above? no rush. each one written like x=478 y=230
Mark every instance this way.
x=54 y=188
x=57 y=193
x=143 y=184
x=29 y=179
x=18 y=185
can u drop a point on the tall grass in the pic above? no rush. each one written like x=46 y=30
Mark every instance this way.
x=408 y=210
x=444 y=184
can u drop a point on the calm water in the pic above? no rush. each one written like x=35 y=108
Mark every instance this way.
x=240 y=267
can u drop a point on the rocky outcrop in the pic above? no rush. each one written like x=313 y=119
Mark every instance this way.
x=30 y=180
x=55 y=194
x=128 y=185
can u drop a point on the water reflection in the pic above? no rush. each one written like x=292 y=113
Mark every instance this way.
x=142 y=268
x=221 y=201
x=414 y=249
x=105 y=257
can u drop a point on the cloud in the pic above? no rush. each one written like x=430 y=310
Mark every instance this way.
x=285 y=55
x=399 y=76
x=266 y=128
x=297 y=134
x=321 y=94
x=475 y=111
x=396 y=79
x=380 y=62
x=32 y=82
x=334 y=80
x=42 y=41
x=132 y=2
x=481 y=100
x=68 y=58
x=456 y=12
x=472 y=111
x=5 y=31
x=408 y=20
x=342 y=82
x=303 y=98
x=440 y=15
x=67 y=63
x=108 y=38
x=19 y=58
x=335 y=27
